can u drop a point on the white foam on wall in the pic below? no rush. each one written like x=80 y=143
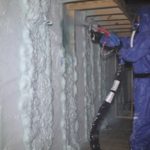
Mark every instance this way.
x=89 y=84
x=99 y=74
x=71 y=112
x=43 y=82
x=85 y=97
x=49 y=80
x=72 y=122
x=48 y=84
x=0 y=127
x=35 y=85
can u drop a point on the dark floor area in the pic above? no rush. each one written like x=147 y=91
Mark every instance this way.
x=115 y=136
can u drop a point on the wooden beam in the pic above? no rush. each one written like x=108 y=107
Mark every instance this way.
x=121 y=30
x=102 y=15
x=124 y=34
x=113 y=22
x=107 y=17
x=108 y=11
x=117 y=26
x=110 y=25
x=85 y=5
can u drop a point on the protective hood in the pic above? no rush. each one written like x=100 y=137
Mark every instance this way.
x=144 y=14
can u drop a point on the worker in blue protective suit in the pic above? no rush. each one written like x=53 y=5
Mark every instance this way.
x=139 y=56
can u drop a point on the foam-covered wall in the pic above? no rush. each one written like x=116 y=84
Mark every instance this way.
x=51 y=83
x=11 y=130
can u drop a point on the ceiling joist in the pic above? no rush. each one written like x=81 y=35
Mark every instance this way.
x=123 y=30
x=118 y=22
x=118 y=26
x=126 y=34
x=107 y=11
x=108 y=21
x=94 y=15
x=108 y=17
x=93 y=4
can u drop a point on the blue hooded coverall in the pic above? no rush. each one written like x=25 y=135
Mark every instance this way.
x=139 y=56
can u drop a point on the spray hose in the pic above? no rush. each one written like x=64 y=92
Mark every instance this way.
x=94 y=133
x=108 y=42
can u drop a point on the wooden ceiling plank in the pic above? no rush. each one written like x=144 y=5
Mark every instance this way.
x=113 y=17
x=121 y=29
x=108 y=17
x=118 y=30
x=108 y=11
x=109 y=20
x=118 y=26
x=113 y=22
x=124 y=34
x=103 y=15
x=85 y=5
x=110 y=25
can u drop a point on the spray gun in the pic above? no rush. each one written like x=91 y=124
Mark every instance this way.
x=135 y=29
x=97 y=32
x=108 y=41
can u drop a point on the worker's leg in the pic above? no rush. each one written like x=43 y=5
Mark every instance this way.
x=140 y=139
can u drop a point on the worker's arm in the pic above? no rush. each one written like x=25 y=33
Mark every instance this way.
x=140 y=49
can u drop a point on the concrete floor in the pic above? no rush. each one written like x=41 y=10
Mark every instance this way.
x=116 y=136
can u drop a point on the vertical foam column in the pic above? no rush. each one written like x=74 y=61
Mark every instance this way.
x=71 y=89
x=36 y=76
x=89 y=83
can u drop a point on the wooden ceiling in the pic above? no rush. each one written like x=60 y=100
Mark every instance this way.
x=109 y=13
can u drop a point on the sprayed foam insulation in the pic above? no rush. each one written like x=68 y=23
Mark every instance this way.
x=62 y=81
x=0 y=127
x=36 y=103
x=10 y=41
x=48 y=103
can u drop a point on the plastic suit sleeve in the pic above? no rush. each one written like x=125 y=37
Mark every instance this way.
x=140 y=49
x=125 y=42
